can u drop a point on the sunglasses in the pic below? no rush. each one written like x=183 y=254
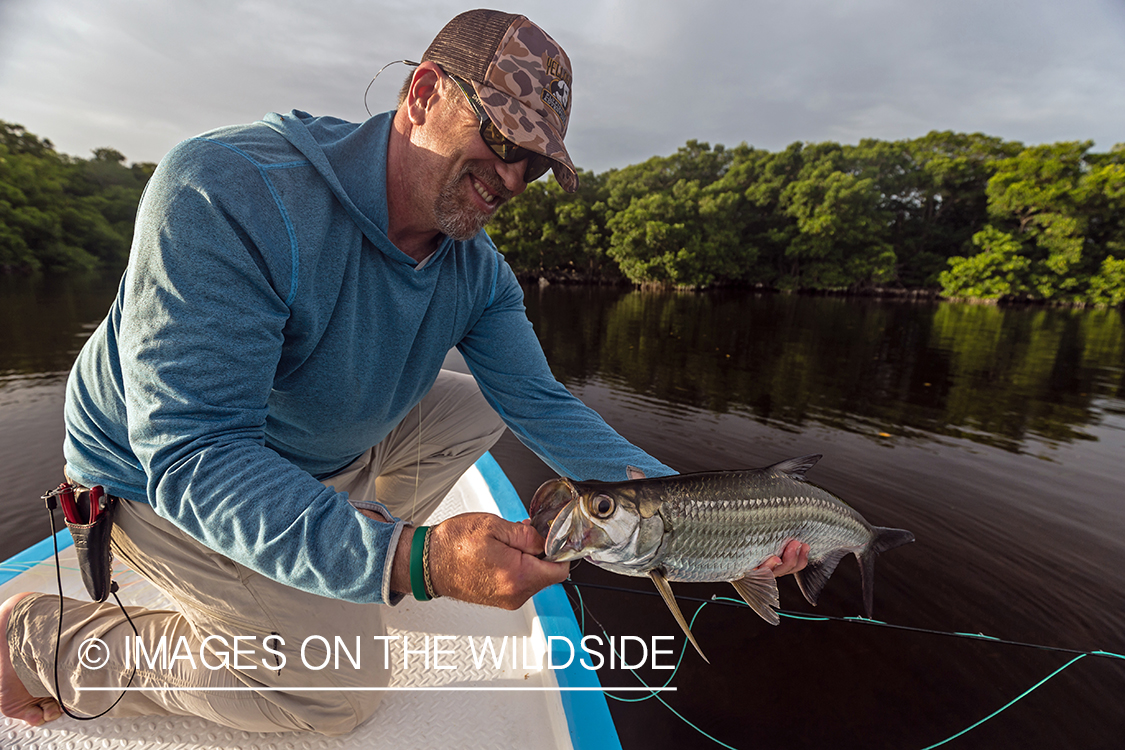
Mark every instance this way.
x=508 y=152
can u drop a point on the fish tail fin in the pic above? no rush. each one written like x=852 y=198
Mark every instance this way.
x=811 y=580
x=885 y=539
x=758 y=588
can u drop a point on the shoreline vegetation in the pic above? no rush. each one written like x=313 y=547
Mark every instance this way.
x=62 y=214
x=962 y=216
x=948 y=215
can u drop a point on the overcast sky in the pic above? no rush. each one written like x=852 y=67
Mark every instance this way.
x=141 y=75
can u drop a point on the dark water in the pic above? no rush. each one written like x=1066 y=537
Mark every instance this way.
x=996 y=435
x=43 y=324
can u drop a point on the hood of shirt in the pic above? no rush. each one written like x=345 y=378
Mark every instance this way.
x=351 y=158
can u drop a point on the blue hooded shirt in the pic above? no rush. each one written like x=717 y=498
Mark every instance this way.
x=267 y=332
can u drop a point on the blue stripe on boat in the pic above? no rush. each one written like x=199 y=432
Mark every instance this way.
x=33 y=555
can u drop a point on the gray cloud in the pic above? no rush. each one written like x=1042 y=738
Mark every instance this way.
x=140 y=76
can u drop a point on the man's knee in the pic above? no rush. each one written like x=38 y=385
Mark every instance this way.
x=495 y=426
x=463 y=411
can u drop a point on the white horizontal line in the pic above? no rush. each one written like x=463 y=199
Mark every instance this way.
x=529 y=689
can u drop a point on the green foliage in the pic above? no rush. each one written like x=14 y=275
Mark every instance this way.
x=998 y=270
x=549 y=231
x=672 y=223
x=682 y=238
x=937 y=196
x=62 y=214
x=967 y=214
x=842 y=227
x=970 y=215
x=1057 y=232
x=1108 y=287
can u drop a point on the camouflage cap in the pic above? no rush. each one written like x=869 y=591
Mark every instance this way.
x=521 y=76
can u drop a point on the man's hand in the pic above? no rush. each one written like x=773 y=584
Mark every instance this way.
x=794 y=557
x=481 y=558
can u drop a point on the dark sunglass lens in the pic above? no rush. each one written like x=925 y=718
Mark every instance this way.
x=496 y=141
x=510 y=153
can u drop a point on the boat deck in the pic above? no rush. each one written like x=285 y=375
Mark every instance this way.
x=476 y=703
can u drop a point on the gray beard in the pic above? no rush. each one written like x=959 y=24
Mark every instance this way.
x=458 y=220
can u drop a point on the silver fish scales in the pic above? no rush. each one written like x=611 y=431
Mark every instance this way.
x=729 y=522
x=712 y=526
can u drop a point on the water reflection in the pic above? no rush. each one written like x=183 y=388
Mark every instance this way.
x=1008 y=545
x=1005 y=377
x=44 y=321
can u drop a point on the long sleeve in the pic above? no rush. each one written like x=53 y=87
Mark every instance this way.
x=202 y=326
x=505 y=357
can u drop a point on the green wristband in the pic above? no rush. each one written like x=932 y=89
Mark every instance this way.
x=417 y=564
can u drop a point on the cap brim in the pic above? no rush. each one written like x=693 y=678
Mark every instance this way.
x=526 y=127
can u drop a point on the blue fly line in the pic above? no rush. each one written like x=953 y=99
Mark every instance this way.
x=817 y=618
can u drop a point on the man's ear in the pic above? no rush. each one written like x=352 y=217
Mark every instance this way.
x=424 y=92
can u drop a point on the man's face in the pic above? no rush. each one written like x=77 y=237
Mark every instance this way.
x=474 y=182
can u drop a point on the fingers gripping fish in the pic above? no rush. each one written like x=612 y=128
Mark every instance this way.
x=709 y=527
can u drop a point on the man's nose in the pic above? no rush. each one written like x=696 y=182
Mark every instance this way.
x=512 y=174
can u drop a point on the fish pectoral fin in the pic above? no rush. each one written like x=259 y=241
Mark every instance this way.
x=665 y=590
x=811 y=580
x=758 y=588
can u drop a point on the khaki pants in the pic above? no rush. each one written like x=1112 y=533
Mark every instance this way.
x=232 y=627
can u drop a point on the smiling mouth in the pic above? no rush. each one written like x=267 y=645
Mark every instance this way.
x=486 y=195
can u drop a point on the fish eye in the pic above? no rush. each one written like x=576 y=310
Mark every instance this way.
x=603 y=506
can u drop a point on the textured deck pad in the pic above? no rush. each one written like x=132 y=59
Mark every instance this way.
x=405 y=719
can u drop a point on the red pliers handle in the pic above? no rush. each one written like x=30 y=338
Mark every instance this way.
x=96 y=492
x=73 y=514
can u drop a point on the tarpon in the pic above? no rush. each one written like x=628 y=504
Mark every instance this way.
x=709 y=527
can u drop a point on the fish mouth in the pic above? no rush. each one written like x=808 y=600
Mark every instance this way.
x=551 y=497
x=558 y=516
x=562 y=542
x=573 y=536
x=553 y=516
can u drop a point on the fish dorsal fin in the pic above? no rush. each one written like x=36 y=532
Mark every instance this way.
x=811 y=580
x=758 y=588
x=665 y=590
x=796 y=467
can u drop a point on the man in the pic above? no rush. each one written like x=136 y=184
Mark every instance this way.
x=267 y=401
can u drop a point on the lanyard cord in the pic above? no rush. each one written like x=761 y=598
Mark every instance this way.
x=58 y=634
